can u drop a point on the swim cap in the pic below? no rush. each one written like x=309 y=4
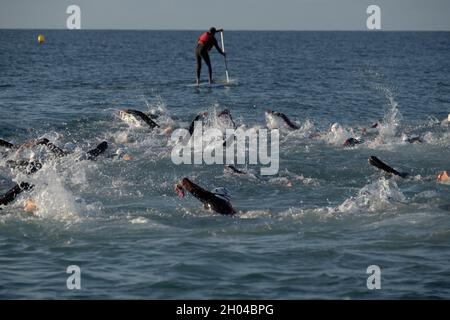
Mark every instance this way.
x=120 y=152
x=335 y=127
x=222 y=193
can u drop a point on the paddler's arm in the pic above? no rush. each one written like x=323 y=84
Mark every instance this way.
x=216 y=45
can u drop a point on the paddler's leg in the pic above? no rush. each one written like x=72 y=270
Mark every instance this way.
x=205 y=56
x=198 y=58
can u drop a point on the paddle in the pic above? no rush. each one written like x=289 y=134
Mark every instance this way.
x=225 y=58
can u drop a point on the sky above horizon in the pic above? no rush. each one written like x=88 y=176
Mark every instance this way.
x=227 y=14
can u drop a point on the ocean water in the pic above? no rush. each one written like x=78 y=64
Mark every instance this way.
x=310 y=231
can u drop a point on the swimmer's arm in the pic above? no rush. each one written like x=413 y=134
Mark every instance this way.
x=152 y=124
x=12 y=194
x=383 y=166
x=197 y=118
x=197 y=191
x=57 y=151
x=287 y=120
x=94 y=153
x=6 y=144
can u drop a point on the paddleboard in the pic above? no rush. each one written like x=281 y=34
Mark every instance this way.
x=215 y=84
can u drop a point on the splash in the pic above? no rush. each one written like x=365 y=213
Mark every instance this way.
x=377 y=196
x=51 y=197
x=337 y=134
x=391 y=123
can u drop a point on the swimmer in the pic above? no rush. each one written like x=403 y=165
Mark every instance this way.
x=217 y=200
x=443 y=178
x=32 y=143
x=351 y=142
x=273 y=117
x=136 y=118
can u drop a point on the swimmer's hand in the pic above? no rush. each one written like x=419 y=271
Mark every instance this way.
x=179 y=191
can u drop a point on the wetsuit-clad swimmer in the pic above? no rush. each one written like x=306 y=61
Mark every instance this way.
x=32 y=143
x=271 y=122
x=135 y=117
x=218 y=199
x=33 y=166
x=204 y=44
x=233 y=170
x=351 y=142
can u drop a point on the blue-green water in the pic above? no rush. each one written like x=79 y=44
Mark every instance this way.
x=123 y=225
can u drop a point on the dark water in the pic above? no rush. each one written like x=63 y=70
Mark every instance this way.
x=309 y=232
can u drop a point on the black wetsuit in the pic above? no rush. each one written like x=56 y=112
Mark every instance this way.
x=6 y=144
x=383 y=166
x=14 y=192
x=199 y=117
x=209 y=199
x=202 y=52
x=286 y=120
x=152 y=124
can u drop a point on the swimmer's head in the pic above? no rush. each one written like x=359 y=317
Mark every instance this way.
x=168 y=131
x=222 y=193
x=405 y=138
x=122 y=154
x=334 y=127
x=30 y=206
x=443 y=177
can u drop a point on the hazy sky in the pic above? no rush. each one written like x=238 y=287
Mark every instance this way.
x=229 y=14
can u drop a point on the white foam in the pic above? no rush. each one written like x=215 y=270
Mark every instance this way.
x=139 y=220
x=375 y=196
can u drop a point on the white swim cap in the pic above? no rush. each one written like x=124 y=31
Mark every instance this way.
x=120 y=152
x=404 y=137
x=334 y=127
x=222 y=193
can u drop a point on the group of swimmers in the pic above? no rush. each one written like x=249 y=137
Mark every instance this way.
x=218 y=199
x=32 y=166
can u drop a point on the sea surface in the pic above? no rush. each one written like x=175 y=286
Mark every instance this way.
x=310 y=231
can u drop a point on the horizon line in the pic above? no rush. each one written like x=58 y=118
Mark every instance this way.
x=233 y=30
